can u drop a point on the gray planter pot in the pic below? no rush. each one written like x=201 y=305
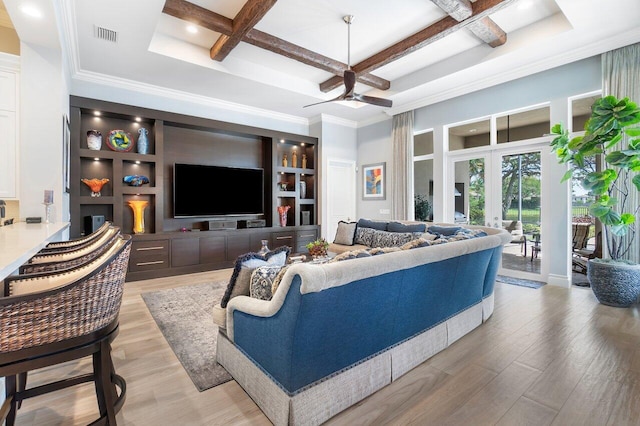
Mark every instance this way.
x=615 y=283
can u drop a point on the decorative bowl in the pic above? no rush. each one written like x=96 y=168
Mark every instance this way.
x=119 y=140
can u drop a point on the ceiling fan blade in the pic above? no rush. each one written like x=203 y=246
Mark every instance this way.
x=373 y=100
x=338 y=98
x=349 y=82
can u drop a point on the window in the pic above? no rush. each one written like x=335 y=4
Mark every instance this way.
x=524 y=125
x=470 y=135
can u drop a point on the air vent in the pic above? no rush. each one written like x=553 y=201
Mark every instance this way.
x=105 y=34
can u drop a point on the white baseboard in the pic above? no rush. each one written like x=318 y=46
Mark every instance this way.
x=559 y=280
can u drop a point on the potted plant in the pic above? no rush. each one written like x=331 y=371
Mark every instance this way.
x=615 y=281
x=318 y=248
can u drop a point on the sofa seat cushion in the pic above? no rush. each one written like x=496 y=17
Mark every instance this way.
x=340 y=248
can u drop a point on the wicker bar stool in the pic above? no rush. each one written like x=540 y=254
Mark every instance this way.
x=48 y=262
x=58 y=246
x=53 y=318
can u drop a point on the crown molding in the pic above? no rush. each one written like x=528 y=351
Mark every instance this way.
x=550 y=62
x=327 y=118
x=149 y=89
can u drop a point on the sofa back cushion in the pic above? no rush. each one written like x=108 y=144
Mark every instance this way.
x=404 y=227
x=373 y=224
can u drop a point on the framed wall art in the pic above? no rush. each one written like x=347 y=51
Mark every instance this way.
x=374 y=181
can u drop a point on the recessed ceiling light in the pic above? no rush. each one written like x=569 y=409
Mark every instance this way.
x=192 y=29
x=138 y=119
x=31 y=10
x=97 y=113
x=473 y=130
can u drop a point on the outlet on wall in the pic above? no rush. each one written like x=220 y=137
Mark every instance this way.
x=385 y=211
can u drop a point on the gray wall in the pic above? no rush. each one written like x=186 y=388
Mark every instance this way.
x=374 y=146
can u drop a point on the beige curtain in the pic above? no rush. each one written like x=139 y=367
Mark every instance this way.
x=402 y=136
x=621 y=78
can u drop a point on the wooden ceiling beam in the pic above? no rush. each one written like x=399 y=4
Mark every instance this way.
x=488 y=31
x=190 y=12
x=195 y=14
x=431 y=34
x=485 y=29
x=250 y=14
x=292 y=51
x=457 y=9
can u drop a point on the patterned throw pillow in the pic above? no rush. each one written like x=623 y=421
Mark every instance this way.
x=353 y=254
x=278 y=278
x=262 y=279
x=239 y=283
x=346 y=233
x=364 y=236
x=390 y=239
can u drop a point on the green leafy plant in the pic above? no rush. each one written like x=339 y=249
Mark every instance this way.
x=611 y=119
x=422 y=207
x=318 y=247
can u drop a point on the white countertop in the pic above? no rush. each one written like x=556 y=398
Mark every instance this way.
x=20 y=241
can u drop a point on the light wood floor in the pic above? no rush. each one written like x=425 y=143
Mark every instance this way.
x=546 y=356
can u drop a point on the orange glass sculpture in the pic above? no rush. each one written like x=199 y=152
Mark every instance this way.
x=138 y=207
x=95 y=185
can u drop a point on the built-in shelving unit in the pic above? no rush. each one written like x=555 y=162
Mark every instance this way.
x=165 y=248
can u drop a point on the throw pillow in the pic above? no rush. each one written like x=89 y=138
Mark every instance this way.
x=390 y=239
x=373 y=224
x=262 y=281
x=277 y=279
x=346 y=233
x=353 y=254
x=403 y=227
x=364 y=236
x=239 y=283
x=419 y=242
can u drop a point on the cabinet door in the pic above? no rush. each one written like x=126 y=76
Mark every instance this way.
x=185 y=251
x=8 y=144
x=212 y=249
x=237 y=245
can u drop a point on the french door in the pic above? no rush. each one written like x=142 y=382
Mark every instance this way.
x=501 y=188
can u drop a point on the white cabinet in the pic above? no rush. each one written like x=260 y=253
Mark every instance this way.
x=8 y=134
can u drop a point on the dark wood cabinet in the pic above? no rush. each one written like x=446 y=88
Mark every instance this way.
x=184 y=252
x=175 y=138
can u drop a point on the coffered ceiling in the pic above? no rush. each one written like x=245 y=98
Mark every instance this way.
x=279 y=55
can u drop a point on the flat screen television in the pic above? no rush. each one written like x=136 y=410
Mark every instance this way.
x=202 y=191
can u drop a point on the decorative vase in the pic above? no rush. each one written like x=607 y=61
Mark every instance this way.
x=303 y=189
x=294 y=159
x=138 y=206
x=95 y=185
x=143 y=142
x=304 y=161
x=265 y=248
x=282 y=213
x=614 y=283
x=94 y=140
x=284 y=160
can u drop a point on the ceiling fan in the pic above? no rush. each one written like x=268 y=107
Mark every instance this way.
x=350 y=79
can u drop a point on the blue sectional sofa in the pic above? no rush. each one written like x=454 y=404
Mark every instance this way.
x=335 y=333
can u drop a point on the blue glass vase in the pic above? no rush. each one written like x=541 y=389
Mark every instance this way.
x=143 y=142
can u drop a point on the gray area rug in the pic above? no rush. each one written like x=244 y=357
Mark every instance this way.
x=185 y=317
x=519 y=281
